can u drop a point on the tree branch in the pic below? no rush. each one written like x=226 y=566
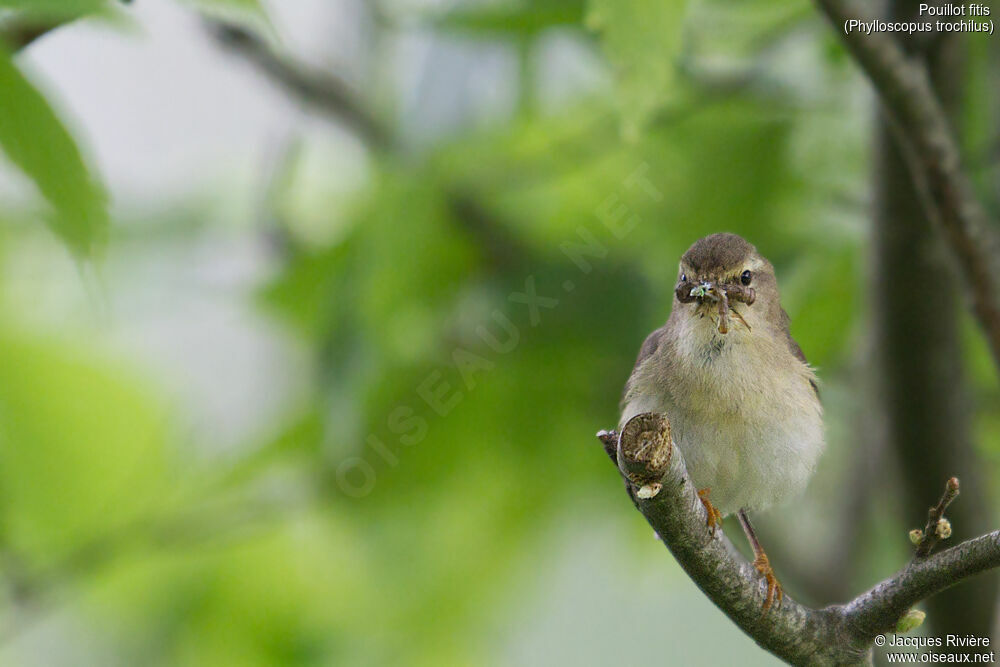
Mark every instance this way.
x=906 y=93
x=315 y=88
x=663 y=493
x=924 y=407
x=878 y=610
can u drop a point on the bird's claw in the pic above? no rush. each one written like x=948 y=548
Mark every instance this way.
x=774 y=591
x=714 y=520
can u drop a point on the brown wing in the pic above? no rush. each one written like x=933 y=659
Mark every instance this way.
x=796 y=350
x=649 y=346
x=647 y=350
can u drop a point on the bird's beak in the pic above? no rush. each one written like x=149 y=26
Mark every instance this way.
x=705 y=290
x=711 y=292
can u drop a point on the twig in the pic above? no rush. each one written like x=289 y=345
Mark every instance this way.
x=316 y=88
x=933 y=532
x=490 y=232
x=22 y=29
x=610 y=441
x=839 y=634
x=906 y=93
x=17 y=34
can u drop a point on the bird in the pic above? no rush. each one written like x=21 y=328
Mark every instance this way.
x=742 y=400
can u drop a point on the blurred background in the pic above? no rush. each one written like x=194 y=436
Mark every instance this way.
x=309 y=312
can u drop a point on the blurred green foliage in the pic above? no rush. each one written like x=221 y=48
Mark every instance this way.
x=643 y=40
x=92 y=436
x=417 y=478
x=511 y=19
x=54 y=9
x=34 y=139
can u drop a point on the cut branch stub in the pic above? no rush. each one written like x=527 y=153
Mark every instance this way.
x=657 y=482
x=644 y=450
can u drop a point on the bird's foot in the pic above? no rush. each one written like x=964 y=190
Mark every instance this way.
x=774 y=591
x=714 y=515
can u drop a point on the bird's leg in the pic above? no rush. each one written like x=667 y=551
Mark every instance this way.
x=714 y=516
x=762 y=564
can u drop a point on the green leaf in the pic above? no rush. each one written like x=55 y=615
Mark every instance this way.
x=54 y=8
x=82 y=446
x=34 y=139
x=520 y=19
x=642 y=39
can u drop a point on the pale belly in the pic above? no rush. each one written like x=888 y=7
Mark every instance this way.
x=749 y=466
x=750 y=433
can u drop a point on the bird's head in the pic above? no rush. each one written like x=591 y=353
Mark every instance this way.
x=722 y=277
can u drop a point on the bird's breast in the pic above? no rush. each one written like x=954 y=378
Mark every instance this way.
x=744 y=414
x=724 y=373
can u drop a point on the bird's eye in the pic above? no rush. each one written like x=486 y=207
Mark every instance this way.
x=684 y=278
x=745 y=278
